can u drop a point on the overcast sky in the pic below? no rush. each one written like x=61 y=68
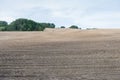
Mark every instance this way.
x=84 y=13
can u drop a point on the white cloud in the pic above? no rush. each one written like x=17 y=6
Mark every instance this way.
x=100 y=20
x=7 y=18
x=91 y=13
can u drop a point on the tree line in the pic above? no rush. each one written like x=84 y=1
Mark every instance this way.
x=22 y=24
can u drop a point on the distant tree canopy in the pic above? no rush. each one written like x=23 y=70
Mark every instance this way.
x=28 y=25
x=62 y=27
x=74 y=27
x=23 y=24
x=3 y=23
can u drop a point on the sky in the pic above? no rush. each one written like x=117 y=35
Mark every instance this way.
x=83 y=13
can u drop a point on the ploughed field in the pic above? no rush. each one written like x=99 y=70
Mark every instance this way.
x=60 y=54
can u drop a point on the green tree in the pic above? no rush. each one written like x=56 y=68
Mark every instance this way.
x=22 y=24
x=74 y=27
x=3 y=23
x=62 y=27
x=48 y=25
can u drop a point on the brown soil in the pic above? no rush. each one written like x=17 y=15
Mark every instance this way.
x=60 y=54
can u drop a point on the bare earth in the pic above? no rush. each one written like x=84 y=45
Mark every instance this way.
x=60 y=54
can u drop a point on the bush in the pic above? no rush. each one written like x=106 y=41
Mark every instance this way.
x=2 y=28
x=74 y=27
x=62 y=27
